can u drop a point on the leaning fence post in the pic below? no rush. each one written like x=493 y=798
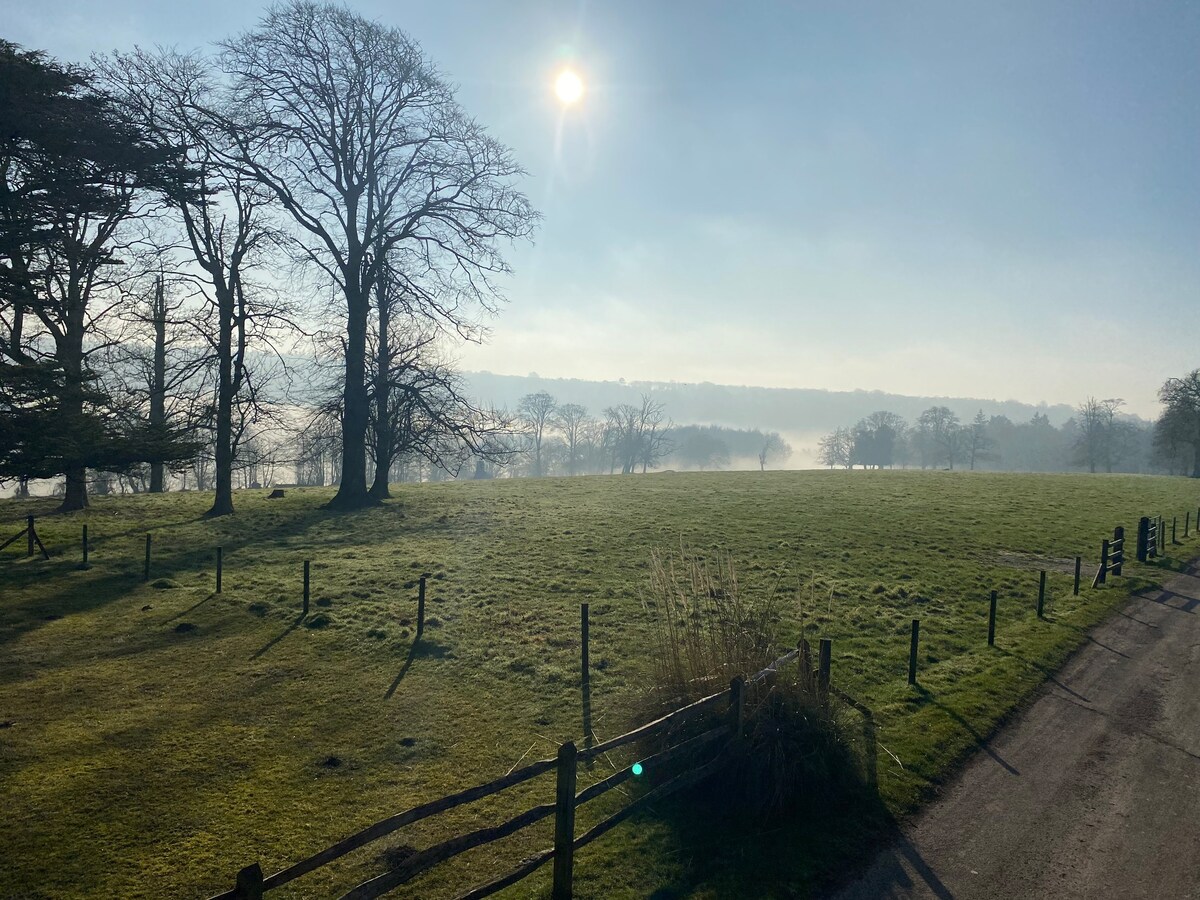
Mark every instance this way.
x=912 y=651
x=249 y=884
x=992 y=621
x=1078 y=569
x=1042 y=593
x=421 y=605
x=29 y=535
x=220 y=564
x=304 y=612
x=146 y=567
x=564 y=823
x=1102 y=572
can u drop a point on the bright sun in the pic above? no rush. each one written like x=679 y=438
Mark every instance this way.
x=568 y=87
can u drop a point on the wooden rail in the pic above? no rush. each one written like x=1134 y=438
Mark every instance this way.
x=251 y=884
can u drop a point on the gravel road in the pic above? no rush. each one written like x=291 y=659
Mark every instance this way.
x=1094 y=791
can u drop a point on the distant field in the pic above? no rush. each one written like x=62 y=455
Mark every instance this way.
x=157 y=737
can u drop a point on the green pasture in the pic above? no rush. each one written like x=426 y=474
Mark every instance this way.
x=156 y=736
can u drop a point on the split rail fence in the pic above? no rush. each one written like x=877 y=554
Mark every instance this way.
x=251 y=885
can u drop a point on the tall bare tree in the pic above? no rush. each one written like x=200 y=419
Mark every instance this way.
x=1098 y=443
x=571 y=419
x=361 y=141
x=226 y=226
x=536 y=412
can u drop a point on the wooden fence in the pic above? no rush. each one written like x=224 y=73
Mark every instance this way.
x=251 y=885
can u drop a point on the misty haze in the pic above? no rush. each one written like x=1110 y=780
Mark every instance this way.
x=599 y=450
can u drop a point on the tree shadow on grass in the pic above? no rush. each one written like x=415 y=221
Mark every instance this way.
x=279 y=637
x=57 y=588
x=981 y=742
x=1050 y=675
x=424 y=648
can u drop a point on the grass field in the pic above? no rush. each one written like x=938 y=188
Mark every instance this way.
x=157 y=737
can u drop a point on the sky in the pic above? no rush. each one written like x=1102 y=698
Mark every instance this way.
x=943 y=199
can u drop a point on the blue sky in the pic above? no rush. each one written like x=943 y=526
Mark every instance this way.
x=996 y=200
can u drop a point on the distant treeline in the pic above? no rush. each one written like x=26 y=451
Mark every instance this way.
x=1097 y=438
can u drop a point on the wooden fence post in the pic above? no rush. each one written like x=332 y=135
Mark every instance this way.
x=1174 y=523
x=1118 y=548
x=823 y=664
x=1162 y=536
x=29 y=535
x=421 y=605
x=912 y=651
x=737 y=706
x=1143 y=538
x=1102 y=572
x=146 y=567
x=1041 y=593
x=992 y=621
x=583 y=641
x=220 y=564
x=1078 y=569
x=564 y=823
x=304 y=611
x=249 y=884
x=585 y=668
x=1187 y=523
x=85 y=547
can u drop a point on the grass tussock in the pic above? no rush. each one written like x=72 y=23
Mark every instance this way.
x=705 y=631
x=790 y=752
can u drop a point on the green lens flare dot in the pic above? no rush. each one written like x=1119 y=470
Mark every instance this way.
x=637 y=769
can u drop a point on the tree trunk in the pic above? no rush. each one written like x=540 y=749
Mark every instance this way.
x=352 y=488
x=223 y=452
x=383 y=420
x=70 y=354
x=158 y=387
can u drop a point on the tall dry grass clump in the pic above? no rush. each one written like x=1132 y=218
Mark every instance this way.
x=707 y=632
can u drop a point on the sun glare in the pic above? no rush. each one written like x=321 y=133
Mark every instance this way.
x=568 y=87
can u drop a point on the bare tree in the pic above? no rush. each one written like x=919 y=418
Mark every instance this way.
x=362 y=143
x=572 y=419
x=1099 y=441
x=774 y=449
x=835 y=448
x=536 y=412
x=225 y=225
x=162 y=389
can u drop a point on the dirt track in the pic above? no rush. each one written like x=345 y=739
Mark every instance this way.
x=1094 y=791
